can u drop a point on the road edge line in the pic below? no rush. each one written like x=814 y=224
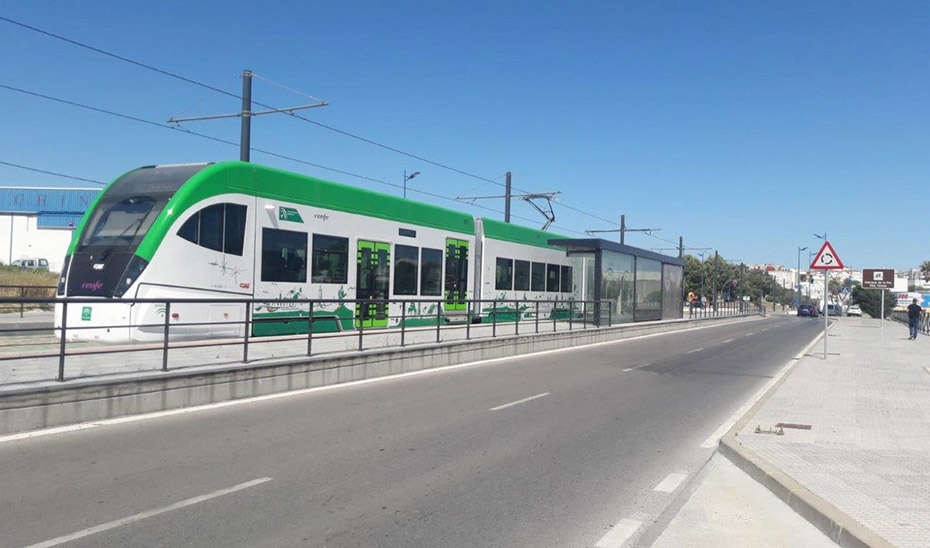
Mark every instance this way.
x=830 y=520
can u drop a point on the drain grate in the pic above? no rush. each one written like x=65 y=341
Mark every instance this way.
x=793 y=425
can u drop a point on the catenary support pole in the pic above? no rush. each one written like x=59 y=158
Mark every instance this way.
x=245 y=136
x=507 y=197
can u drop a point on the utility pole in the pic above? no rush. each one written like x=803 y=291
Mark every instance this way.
x=507 y=197
x=681 y=247
x=246 y=114
x=245 y=135
x=623 y=230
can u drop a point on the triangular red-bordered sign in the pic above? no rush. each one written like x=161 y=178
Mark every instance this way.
x=827 y=259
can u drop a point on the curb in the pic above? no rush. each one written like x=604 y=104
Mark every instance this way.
x=833 y=522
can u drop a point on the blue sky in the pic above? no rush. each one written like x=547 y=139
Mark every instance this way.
x=745 y=126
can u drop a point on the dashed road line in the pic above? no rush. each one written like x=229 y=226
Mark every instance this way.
x=693 y=351
x=518 y=402
x=636 y=367
x=147 y=514
x=749 y=334
x=727 y=341
x=619 y=533
x=671 y=482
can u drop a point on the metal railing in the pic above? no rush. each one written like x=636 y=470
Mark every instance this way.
x=721 y=309
x=23 y=292
x=303 y=327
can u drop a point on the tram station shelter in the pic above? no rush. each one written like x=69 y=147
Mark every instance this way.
x=37 y=222
x=641 y=285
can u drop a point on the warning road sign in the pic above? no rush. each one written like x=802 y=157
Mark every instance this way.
x=827 y=259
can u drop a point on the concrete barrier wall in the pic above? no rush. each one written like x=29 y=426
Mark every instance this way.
x=88 y=400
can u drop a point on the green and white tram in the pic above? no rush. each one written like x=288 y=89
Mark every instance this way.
x=237 y=230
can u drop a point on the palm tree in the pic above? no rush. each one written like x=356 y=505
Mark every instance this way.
x=925 y=270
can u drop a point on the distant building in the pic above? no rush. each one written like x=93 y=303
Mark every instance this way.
x=38 y=222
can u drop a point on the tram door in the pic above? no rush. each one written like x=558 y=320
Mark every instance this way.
x=374 y=278
x=456 y=273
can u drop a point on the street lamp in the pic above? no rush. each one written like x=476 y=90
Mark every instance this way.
x=407 y=178
x=798 y=273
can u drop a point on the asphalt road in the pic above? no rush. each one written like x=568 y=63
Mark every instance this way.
x=556 y=449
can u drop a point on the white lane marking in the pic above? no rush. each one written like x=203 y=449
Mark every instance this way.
x=727 y=341
x=147 y=514
x=693 y=351
x=637 y=367
x=255 y=399
x=714 y=438
x=518 y=402
x=671 y=482
x=748 y=334
x=619 y=534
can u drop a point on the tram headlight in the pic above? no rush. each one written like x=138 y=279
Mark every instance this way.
x=64 y=275
x=130 y=275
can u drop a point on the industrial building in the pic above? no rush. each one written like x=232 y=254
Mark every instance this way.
x=38 y=222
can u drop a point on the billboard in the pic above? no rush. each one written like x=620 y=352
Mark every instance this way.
x=878 y=278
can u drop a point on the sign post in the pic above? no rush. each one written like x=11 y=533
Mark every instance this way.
x=826 y=260
x=878 y=278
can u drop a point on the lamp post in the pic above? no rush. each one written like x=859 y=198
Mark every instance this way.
x=407 y=178
x=798 y=273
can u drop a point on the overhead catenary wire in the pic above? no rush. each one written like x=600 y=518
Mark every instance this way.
x=259 y=150
x=292 y=114
x=55 y=173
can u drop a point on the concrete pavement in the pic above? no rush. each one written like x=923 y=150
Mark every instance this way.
x=578 y=448
x=855 y=437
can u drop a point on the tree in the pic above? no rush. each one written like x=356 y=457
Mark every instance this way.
x=870 y=301
x=925 y=270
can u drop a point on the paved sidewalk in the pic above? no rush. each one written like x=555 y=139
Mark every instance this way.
x=867 y=452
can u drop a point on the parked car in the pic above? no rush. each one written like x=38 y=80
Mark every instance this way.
x=34 y=264
x=808 y=310
x=834 y=310
x=854 y=310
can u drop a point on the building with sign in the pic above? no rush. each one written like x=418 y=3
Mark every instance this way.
x=37 y=222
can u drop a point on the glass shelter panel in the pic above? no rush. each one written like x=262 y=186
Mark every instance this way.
x=671 y=291
x=648 y=289
x=617 y=284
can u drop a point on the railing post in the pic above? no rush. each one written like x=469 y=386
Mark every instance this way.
x=310 y=330
x=554 y=320
x=248 y=330
x=584 y=314
x=468 y=321
x=22 y=296
x=403 y=322
x=610 y=313
x=164 y=350
x=516 y=325
x=571 y=312
x=64 y=338
x=361 y=327
x=537 y=316
x=494 y=318
x=438 y=320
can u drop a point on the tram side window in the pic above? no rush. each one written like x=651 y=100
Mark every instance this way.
x=284 y=256
x=330 y=259
x=521 y=275
x=405 y=269
x=566 y=279
x=539 y=277
x=220 y=227
x=431 y=272
x=504 y=274
x=552 y=278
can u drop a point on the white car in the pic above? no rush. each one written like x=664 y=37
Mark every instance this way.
x=854 y=310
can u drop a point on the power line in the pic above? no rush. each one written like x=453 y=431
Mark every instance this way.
x=297 y=116
x=231 y=143
x=56 y=174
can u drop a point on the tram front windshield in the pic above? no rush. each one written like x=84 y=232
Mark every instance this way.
x=125 y=212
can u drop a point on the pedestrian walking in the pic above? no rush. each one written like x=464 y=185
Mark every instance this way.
x=914 y=312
